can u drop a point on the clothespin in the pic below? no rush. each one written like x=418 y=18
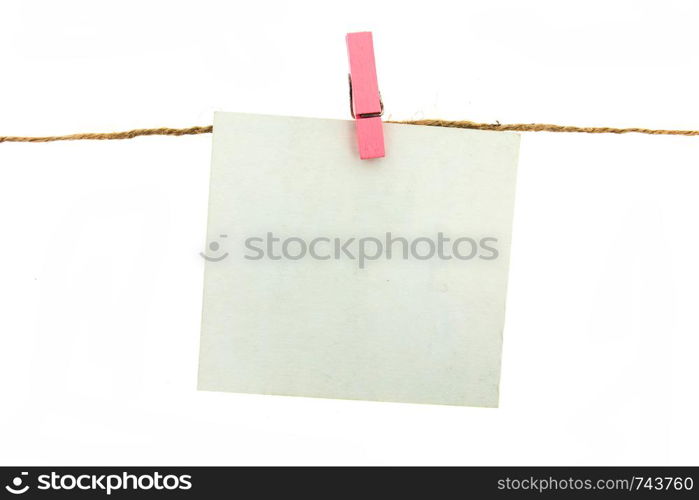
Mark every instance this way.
x=365 y=101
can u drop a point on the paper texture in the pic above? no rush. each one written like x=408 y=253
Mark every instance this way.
x=300 y=300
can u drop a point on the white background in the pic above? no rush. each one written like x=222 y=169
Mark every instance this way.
x=101 y=281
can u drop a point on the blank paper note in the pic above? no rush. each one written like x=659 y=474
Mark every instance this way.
x=330 y=276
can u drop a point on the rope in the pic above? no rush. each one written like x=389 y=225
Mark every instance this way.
x=516 y=127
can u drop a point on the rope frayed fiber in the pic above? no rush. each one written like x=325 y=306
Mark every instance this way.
x=514 y=127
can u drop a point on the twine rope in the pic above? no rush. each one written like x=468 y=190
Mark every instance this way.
x=207 y=129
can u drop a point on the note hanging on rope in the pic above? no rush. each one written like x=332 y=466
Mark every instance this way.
x=330 y=276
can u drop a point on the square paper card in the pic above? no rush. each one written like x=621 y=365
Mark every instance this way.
x=330 y=276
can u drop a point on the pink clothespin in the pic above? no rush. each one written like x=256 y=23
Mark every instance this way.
x=365 y=100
